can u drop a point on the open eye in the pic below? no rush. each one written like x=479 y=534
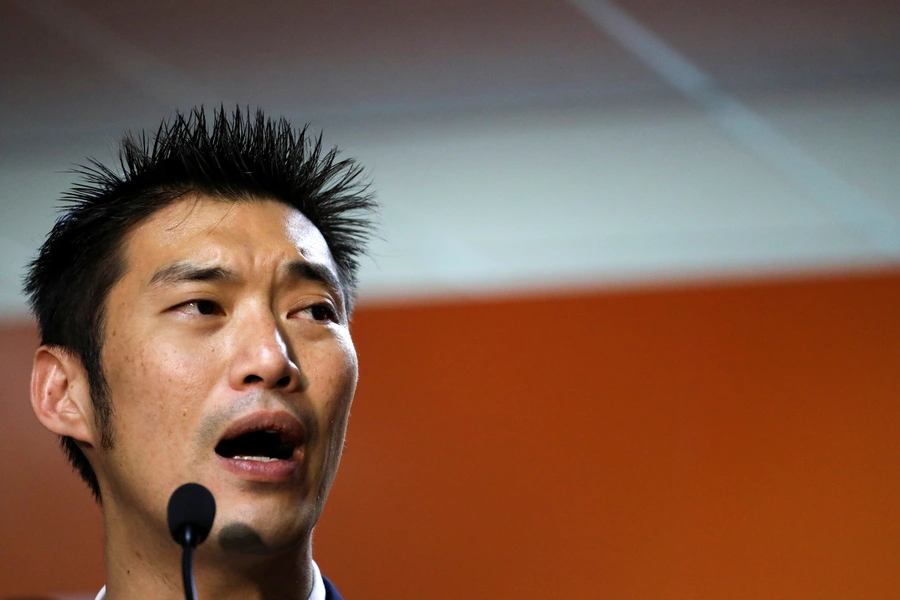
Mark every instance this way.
x=201 y=307
x=321 y=312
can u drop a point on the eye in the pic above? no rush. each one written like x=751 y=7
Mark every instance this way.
x=321 y=312
x=201 y=307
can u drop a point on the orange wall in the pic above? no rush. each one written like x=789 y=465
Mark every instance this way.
x=709 y=441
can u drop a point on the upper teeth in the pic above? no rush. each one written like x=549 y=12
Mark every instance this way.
x=257 y=458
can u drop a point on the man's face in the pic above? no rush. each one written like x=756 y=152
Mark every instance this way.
x=229 y=363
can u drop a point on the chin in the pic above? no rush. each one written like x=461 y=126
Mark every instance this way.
x=265 y=529
x=243 y=539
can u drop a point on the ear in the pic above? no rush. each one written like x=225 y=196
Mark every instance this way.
x=60 y=395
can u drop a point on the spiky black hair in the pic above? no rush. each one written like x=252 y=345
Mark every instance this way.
x=242 y=157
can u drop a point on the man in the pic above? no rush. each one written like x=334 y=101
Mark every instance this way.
x=194 y=315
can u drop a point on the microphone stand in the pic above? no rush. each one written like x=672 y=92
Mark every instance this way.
x=187 y=564
x=190 y=514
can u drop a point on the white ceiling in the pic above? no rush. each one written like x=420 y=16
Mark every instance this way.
x=514 y=144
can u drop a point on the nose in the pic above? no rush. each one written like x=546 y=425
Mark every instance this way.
x=262 y=358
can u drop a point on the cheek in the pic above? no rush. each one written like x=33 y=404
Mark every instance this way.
x=345 y=372
x=154 y=385
x=335 y=375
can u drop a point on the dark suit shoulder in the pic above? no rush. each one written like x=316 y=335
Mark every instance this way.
x=331 y=592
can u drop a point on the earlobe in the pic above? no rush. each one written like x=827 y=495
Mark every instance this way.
x=60 y=396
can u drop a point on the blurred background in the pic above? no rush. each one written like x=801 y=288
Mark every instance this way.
x=631 y=329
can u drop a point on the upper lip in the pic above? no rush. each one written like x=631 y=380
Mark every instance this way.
x=286 y=424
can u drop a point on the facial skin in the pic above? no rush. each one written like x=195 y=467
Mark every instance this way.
x=218 y=325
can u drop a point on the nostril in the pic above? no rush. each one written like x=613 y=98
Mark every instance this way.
x=252 y=379
x=284 y=381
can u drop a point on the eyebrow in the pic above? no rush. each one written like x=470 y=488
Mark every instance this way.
x=187 y=272
x=307 y=271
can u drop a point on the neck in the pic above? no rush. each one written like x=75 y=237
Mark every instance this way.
x=142 y=564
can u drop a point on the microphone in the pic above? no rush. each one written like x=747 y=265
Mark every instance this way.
x=191 y=512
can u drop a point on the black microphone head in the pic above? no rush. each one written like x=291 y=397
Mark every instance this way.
x=191 y=505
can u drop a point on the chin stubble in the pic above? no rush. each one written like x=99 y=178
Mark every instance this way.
x=241 y=538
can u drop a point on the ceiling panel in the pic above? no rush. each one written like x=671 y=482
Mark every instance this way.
x=746 y=43
x=512 y=143
x=854 y=131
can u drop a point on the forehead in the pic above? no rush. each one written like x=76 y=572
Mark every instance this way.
x=201 y=227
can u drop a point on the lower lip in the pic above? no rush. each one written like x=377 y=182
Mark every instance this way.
x=275 y=471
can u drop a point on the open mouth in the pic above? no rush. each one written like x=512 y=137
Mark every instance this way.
x=262 y=446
